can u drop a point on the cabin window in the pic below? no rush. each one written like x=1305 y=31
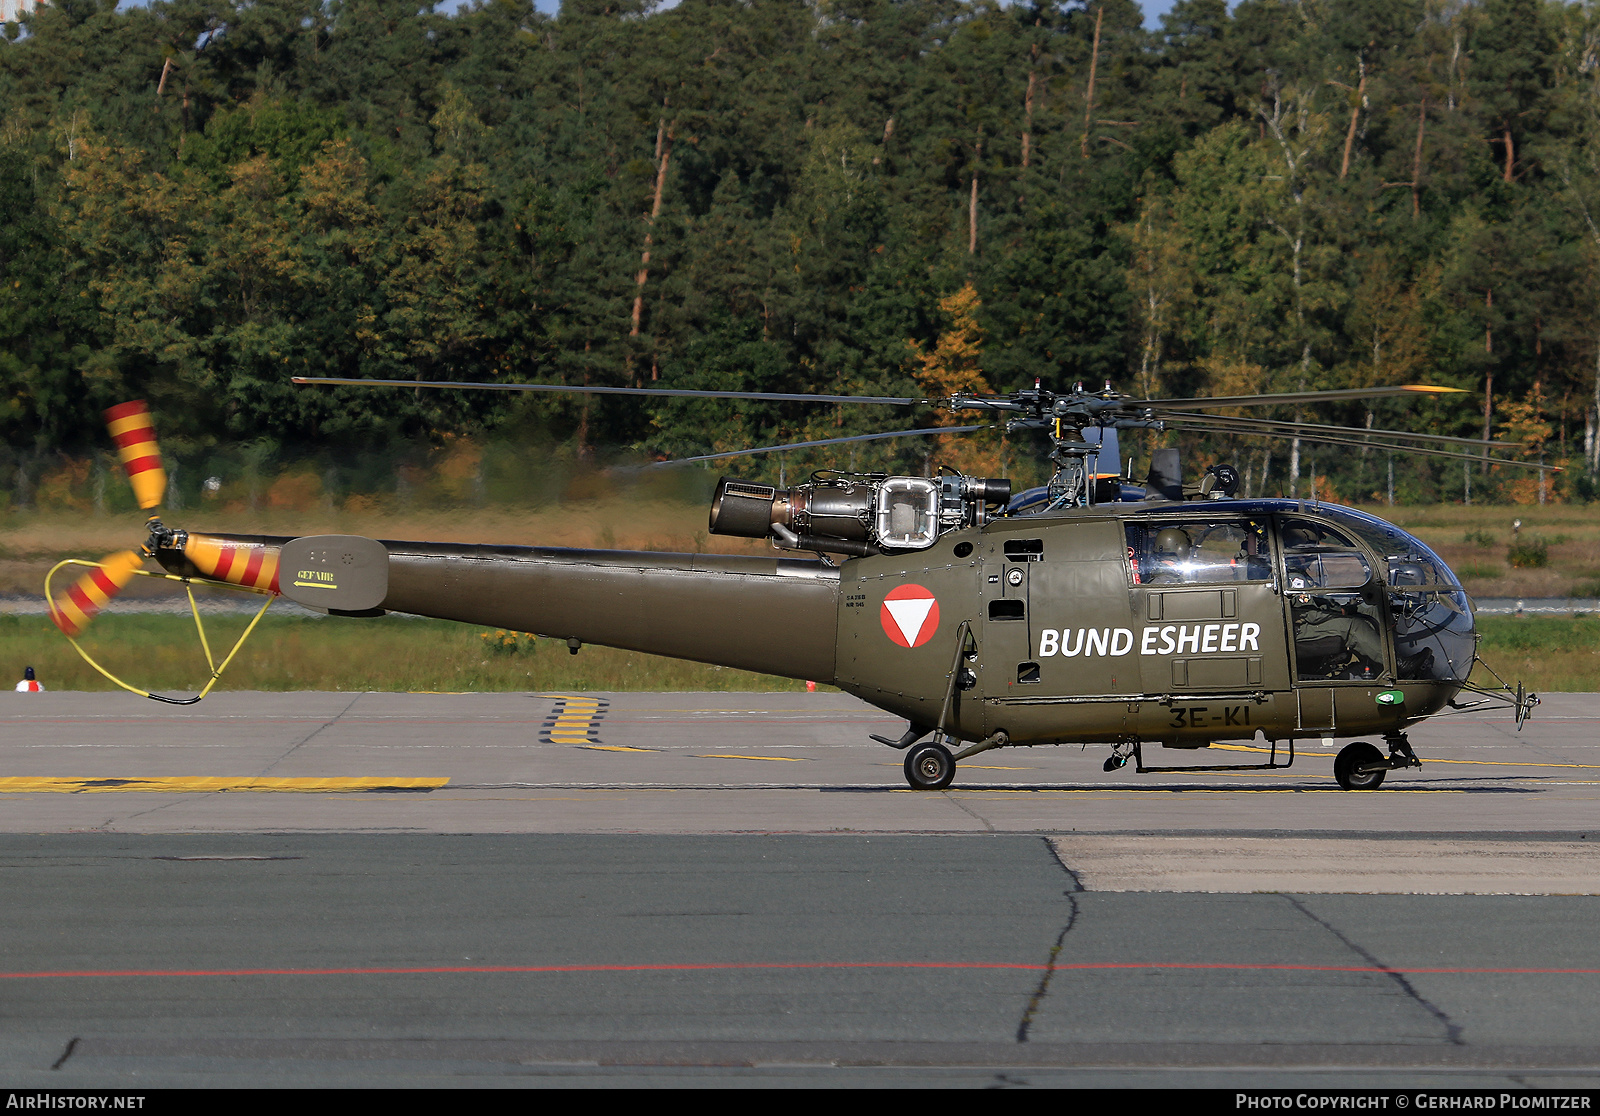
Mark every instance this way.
x=1025 y=550
x=1315 y=556
x=1027 y=672
x=1190 y=551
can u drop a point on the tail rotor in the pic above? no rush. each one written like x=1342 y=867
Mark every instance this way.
x=249 y=567
x=134 y=433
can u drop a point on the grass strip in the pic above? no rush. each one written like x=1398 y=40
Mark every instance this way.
x=390 y=654
x=1548 y=654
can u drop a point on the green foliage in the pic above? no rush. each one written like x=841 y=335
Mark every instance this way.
x=1504 y=633
x=1531 y=553
x=1547 y=654
x=1483 y=540
x=289 y=133
x=297 y=653
x=198 y=202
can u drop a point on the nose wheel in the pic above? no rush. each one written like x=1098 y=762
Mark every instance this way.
x=1360 y=766
x=930 y=767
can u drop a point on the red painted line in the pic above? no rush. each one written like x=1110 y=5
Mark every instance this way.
x=472 y=969
x=735 y=966
x=225 y=558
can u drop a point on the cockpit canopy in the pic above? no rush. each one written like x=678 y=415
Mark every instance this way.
x=1409 y=561
x=1333 y=558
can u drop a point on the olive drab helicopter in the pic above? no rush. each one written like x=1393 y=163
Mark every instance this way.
x=1092 y=610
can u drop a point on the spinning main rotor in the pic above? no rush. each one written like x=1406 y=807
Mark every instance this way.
x=1064 y=417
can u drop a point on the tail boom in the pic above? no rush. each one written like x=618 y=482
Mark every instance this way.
x=768 y=615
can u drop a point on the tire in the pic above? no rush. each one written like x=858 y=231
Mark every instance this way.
x=930 y=767
x=1352 y=756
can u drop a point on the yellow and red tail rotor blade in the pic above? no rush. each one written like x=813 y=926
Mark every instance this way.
x=93 y=591
x=253 y=566
x=135 y=434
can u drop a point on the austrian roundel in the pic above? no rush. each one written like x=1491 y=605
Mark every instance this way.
x=910 y=615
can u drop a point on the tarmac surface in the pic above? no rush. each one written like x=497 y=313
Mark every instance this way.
x=711 y=889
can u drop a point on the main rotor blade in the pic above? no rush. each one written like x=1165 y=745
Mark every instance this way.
x=818 y=442
x=1308 y=428
x=1292 y=397
x=674 y=393
x=1418 y=451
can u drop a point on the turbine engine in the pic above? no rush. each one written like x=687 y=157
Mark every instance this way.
x=857 y=515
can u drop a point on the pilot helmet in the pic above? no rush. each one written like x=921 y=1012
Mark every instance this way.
x=1407 y=573
x=1172 y=542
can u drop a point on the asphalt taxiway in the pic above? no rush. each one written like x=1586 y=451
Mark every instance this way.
x=694 y=889
x=717 y=763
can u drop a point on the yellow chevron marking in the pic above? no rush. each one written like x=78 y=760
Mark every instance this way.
x=209 y=784
x=576 y=721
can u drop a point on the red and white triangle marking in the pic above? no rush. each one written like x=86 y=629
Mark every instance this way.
x=910 y=615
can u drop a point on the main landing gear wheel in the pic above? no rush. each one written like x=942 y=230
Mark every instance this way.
x=930 y=767
x=1350 y=759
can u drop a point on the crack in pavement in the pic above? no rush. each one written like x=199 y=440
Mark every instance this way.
x=312 y=734
x=1452 y=1029
x=1025 y=1024
x=191 y=799
x=973 y=814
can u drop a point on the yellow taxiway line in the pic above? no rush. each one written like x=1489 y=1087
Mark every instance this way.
x=1476 y=763
x=1157 y=789
x=210 y=784
x=769 y=759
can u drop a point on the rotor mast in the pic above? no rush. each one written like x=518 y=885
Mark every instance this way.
x=1063 y=417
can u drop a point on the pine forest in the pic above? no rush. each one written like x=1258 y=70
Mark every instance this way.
x=202 y=198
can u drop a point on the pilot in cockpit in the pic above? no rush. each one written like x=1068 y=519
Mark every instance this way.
x=1169 y=561
x=1330 y=618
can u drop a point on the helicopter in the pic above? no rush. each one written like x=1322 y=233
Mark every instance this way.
x=1091 y=610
